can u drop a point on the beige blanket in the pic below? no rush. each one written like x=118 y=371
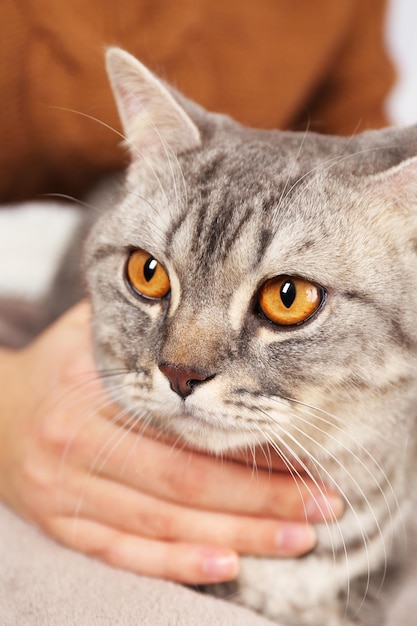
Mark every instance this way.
x=44 y=584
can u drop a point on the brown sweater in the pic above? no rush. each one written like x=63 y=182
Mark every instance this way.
x=269 y=63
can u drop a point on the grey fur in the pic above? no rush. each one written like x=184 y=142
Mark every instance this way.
x=224 y=208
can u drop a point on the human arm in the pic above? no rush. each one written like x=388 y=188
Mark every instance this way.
x=358 y=78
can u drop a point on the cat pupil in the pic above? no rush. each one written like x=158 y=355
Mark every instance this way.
x=288 y=293
x=150 y=268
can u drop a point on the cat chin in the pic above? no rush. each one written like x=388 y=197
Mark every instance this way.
x=213 y=439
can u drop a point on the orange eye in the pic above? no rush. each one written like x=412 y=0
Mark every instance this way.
x=146 y=275
x=288 y=301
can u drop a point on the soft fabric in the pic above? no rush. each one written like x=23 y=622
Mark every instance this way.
x=43 y=584
x=34 y=236
x=270 y=63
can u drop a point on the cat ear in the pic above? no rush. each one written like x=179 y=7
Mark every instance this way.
x=398 y=184
x=154 y=123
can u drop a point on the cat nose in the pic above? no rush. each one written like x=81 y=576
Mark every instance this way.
x=182 y=379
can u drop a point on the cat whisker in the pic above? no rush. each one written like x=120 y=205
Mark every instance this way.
x=138 y=421
x=334 y=418
x=71 y=440
x=357 y=457
x=326 y=165
x=116 y=439
x=303 y=139
x=318 y=414
x=98 y=464
x=251 y=448
x=365 y=537
x=336 y=422
x=172 y=157
x=398 y=518
x=290 y=466
x=266 y=453
x=328 y=476
x=349 y=505
x=272 y=439
x=144 y=421
x=74 y=200
x=69 y=400
x=89 y=117
x=125 y=140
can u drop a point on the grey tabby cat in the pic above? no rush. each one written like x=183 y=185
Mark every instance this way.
x=255 y=288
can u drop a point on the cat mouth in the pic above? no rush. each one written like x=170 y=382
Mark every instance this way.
x=236 y=442
x=239 y=446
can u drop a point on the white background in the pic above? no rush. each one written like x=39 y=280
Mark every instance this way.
x=401 y=36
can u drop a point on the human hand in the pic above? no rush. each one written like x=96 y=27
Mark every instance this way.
x=130 y=499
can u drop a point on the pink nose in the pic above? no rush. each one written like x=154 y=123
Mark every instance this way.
x=183 y=379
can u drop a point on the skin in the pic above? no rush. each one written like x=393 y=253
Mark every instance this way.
x=66 y=466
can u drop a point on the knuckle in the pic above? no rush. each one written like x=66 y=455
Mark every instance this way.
x=107 y=548
x=158 y=525
x=53 y=431
x=37 y=476
x=110 y=553
x=60 y=435
x=243 y=536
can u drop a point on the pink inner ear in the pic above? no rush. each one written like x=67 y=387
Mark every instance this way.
x=152 y=119
x=396 y=187
x=132 y=104
x=400 y=179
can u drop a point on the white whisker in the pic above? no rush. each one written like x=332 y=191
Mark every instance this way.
x=319 y=415
x=325 y=165
x=279 y=444
x=334 y=422
x=334 y=482
x=172 y=157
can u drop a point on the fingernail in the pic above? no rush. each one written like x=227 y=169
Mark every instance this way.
x=321 y=508
x=220 y=566
x=292 y=540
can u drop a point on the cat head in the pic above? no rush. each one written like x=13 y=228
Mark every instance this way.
x=256 y=287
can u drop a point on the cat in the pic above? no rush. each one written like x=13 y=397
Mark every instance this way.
x=259 y=288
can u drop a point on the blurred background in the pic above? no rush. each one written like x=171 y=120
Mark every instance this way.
x=401 y=37
x=53 y=140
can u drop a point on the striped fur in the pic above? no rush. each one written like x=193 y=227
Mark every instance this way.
x=225 y=208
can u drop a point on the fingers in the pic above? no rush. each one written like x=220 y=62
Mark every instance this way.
x=184 y=477
x=181 y=562
x=132 y=512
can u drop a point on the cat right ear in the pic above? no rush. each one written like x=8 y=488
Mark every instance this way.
x=154 y=124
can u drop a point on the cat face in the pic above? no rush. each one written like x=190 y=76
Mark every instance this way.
x=256 y=287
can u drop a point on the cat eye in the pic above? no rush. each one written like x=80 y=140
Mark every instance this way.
x=289 y=301
x=146 y=275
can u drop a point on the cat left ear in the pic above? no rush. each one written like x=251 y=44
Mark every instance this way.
x=154 y=123
x=398 y=183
